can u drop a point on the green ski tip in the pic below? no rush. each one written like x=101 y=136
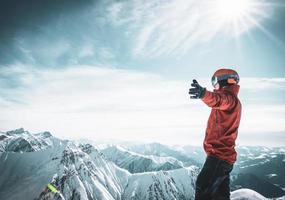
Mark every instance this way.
x=52 y=188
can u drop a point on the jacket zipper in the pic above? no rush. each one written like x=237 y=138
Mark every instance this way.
x=217 y=124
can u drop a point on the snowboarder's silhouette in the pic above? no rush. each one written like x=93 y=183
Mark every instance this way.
x=222 y=129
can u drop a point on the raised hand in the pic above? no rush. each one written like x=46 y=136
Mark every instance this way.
x=196 y=91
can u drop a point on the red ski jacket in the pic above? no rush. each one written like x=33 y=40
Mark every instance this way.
x=223 y=123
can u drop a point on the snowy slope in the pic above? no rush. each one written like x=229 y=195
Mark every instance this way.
x=27 y=174
x=167 y=185
x=161 y=150
x=84 y=174
x=27 y=161
x=246 y=194
x=135 y=163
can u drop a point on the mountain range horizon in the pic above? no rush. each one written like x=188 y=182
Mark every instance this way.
x=132 y=171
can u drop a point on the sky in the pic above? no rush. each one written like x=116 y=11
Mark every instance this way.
x=120 y=70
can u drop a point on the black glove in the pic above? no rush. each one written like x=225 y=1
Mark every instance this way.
x=197 y=91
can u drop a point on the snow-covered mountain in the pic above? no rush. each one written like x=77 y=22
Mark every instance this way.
x=78 y=172
x=166 y=185
x=27 y=167
x=135 y=162
x=195 y=152
x=81 y=172
x=161 y=150
x=256 y=183
x=258 y=168
x=84 y=174
x=20 y=140
x=263 y=162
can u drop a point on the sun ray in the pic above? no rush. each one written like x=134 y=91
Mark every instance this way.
x=278 y=42
x=234 y=18
x=234 y=14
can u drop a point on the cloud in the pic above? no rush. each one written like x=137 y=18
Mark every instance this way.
x=68 y=32
x=28 y=23
x=57 y=80
x=99 y=102
x=253 y=83
x=61 y=33
x=263 y=118
x=108 y=103
x=174 y=27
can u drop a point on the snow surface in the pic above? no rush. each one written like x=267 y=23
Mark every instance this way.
x=246 y=194
x=27 y=174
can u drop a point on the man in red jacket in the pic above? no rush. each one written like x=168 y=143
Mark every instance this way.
x=219 y=143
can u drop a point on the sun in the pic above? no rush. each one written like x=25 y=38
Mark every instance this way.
x=238 y=15
x=233 y=9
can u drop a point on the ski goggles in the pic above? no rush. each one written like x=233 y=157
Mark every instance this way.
x=232 y=78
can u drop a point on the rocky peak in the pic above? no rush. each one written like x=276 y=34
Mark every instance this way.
x=16 y=131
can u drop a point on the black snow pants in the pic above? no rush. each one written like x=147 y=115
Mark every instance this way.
x=213 y=182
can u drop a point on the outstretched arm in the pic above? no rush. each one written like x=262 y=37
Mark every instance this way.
x=221 y=101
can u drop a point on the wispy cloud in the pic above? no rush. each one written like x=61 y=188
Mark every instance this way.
x=174 y=27
x=97 y=31
x=99 y=102
x=107 y=103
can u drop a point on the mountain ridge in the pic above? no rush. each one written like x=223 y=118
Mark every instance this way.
x=82 y=172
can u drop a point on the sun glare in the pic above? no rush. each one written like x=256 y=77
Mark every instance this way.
x=238 y=15
x=233 y=9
